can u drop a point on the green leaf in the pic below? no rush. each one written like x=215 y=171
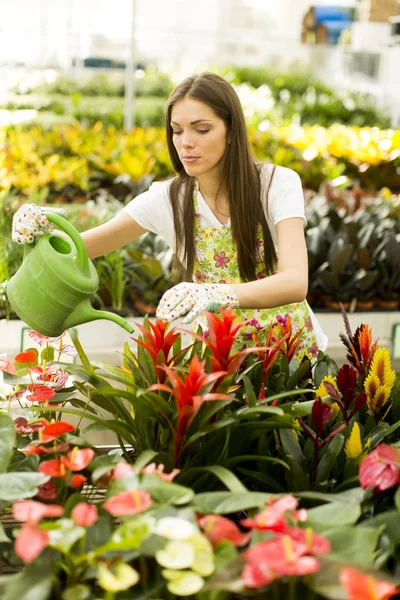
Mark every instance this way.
x=397 y=499
x=271 y=483
x=231 y=462
x=249 y=389
x=225 y=475
x=295 y=458
x=165 y=492
x=144 y=459
x=33 y=583
x=28 y=464
x=390 y=519
x=84 y=359
x=102 y=464
x=329 y=458
x=7 y=441
x=298 y=409
x=47 y=354
x=331 y=515
x=354 y=495
x=15 y=486
x=128 y=536
x=260 y=410
x=346 y=543
x=228 y=502
x=4 y=539
x=382 y=431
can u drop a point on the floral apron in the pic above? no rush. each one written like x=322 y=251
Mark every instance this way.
x=216 y=262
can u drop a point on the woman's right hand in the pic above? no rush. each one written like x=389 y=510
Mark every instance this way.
x=30 y=222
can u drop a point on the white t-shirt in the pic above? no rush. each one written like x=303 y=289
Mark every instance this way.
x=152 y=210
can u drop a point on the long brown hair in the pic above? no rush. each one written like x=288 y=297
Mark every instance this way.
x=241 y=178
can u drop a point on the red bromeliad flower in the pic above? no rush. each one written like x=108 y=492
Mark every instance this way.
x=32 y=511
x=128 y=503
x=272 y=559
x=218 y=529
x=293 y=341
x=158 y=344
x=84 y=514
x=187 y=391
x=360 y=586
x=380 y=469
x=321 y=415
x=40 y=393
x=30 y=542
x=268 y=355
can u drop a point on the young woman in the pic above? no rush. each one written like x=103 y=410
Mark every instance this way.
x=237 y=226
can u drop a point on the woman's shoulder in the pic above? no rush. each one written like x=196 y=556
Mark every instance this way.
x=281 y=176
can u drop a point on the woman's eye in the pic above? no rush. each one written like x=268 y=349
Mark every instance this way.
x=203 y=130
x=176 y=132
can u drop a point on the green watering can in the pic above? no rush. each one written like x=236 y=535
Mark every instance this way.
x=52 y=289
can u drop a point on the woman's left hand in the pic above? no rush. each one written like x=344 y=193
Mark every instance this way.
x=191 y=299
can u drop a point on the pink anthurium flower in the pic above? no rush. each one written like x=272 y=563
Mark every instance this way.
x=40 y=393
x=32 y=511
x=44 y=339
x=30 y=542
x=77 y=459
x=128 y=503
x=6 y=365
x=380 y=469
x=218 y=529
x=122 y=469
x=273 y=516
x=53 y=467
x=158 y=470
x=78 y=480
x=360 y=586
x=84 y=514
x=315 y=544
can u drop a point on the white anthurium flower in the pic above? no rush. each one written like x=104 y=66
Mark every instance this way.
x=121 y=577
x=174 y=528
x=203 y=563
x=183 y=583
x=177 y=554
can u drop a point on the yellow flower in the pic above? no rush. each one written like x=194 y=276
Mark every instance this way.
x=353 y=447
x=322 y=391
x=379 y=382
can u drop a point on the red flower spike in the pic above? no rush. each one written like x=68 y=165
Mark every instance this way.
x=57 y=429
x=218 y=529
x=32 y=511
x=158 y=344
x=128 y=503
x=77 y=460
x=380 y=469
x=84 y=515
x=30 y=542
x=40 y=393
x=321 y=414
x=78 y=480
x=360 y=586
x=367 y=348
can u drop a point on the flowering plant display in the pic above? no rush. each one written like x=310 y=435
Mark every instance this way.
x=236 y=473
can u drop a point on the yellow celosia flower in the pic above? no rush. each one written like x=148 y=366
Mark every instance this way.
x=353 y=446
x=322 y=391
x=379 y=382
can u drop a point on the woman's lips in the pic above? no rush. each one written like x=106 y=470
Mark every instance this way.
x=190 y=159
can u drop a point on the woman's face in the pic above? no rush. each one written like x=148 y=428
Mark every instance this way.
x=199 y=137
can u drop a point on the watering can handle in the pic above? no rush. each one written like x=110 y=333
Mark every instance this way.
x=73 y=233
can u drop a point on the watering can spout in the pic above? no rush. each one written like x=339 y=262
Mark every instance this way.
x=84 y=312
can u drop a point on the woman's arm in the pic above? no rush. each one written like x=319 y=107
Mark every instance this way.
x=290 y=284
x=117 y=232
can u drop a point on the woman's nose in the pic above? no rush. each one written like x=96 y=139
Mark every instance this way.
x=187 y=140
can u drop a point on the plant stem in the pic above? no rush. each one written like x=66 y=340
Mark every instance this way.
x=292 y=588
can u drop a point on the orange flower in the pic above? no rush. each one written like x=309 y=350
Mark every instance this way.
x=359 y=586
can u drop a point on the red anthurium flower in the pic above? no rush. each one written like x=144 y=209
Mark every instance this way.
x=51 y=373
x=158 y=344
x=30 y=542
x=33 y=511
x=122 y=469
x=25 y=357
x=218 y=529
x=84 y=514
x=273 y=516
x=40 y=393
x=78 y=480
x=187 y=391
x=380 y=469
x=158 y=470
x=47 y=491
x=257 y=575
x=6 y=365
x=315 y=544
x=128 y=503
x=280 y=557
x=360 y=586
x=77 y=460
x=53 y=468
x=38 y=448
x=57 y=429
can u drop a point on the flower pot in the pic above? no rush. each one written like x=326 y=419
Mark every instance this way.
x=141 y=307
x=334 y=304
x=365 y=304
x=388 y=304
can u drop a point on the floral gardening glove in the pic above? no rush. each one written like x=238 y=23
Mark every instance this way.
x=191 y=299
x=30 y=221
